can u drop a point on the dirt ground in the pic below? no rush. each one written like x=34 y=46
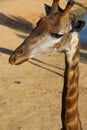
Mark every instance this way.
x=30 y=94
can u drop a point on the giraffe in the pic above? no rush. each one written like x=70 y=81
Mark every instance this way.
x=55 y=32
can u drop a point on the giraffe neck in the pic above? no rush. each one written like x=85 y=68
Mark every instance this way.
x=70 y=115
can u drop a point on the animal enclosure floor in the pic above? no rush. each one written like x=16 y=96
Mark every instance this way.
x=30 y=94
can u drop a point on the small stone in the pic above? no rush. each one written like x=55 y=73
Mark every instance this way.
x=17 y=82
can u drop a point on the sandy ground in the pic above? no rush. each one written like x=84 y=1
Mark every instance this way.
x=30 y=94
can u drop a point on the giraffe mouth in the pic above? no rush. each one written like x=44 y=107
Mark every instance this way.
x=13 y=60
x=22 y=61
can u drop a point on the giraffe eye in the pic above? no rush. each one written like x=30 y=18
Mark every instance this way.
x=56 y=35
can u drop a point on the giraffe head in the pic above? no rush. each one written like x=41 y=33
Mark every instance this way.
x=52 y=33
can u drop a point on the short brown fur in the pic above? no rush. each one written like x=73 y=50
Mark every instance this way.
x=57 y=21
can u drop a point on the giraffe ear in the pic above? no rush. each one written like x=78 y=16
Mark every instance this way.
x=47 y=9
x=78 y=26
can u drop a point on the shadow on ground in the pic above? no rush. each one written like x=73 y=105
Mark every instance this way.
x=23 y=25
x=6 y=51
x=17 y=23
x=36 y=62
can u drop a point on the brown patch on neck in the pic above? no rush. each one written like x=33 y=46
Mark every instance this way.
x=70 y=116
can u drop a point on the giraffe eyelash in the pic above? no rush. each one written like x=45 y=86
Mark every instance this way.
x=56 y=35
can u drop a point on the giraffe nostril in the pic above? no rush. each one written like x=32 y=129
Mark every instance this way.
x=19 y=52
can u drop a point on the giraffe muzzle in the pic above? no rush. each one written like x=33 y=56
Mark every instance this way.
x=13 y=60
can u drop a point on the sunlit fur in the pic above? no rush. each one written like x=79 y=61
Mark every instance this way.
x=58 y=22
x=44 y=41
x=70 y=112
